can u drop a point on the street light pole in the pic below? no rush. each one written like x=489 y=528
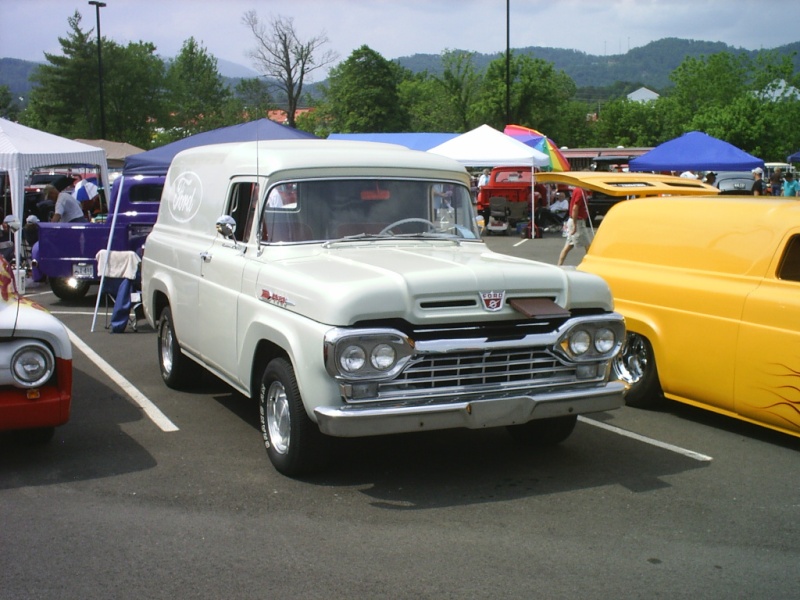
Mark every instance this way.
x=508 y=62
x=98 y=6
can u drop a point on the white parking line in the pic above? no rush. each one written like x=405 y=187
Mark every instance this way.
x=647 y=440
x=150 y=409
x=519 y=243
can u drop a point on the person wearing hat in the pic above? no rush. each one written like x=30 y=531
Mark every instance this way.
x=758 y=183
x=30 y=232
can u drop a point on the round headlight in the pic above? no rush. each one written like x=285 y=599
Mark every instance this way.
x=579 y=342
x=32 y=365
x=352 y=358
x=604 y=340
x=383 y=357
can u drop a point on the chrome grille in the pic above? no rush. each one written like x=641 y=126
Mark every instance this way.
x=517 y=367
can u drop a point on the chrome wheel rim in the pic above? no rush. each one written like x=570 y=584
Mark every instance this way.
x=278 y=418
x=631 y=363
x=166 y=348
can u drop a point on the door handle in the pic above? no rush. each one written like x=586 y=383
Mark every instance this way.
x=205 y=257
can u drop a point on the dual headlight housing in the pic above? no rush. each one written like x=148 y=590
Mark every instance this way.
x=366 y=354
x=592 y=340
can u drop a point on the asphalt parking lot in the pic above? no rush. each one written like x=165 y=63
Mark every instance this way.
x=152 y=493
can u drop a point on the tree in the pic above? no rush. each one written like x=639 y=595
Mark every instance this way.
x=537 y=91
x=8 y=109
x=281 y=56
x=65 y=100
x=627 y=123
x=254 y=96
x=195 y=91
x=459 y=86
x=427 y=107
x=362 y=95
x=134 y=92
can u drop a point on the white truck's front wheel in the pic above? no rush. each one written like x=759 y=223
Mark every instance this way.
x=294 y=443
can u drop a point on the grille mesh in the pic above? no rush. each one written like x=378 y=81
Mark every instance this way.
x=470 y=369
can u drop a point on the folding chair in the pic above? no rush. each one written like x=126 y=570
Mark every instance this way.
x=120 y=288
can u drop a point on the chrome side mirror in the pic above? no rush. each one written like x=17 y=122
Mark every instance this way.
x=226 y=226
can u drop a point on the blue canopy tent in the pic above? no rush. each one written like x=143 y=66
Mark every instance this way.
x=157 y=161
x=414 y=141
x=794 y=157
x=695 y=151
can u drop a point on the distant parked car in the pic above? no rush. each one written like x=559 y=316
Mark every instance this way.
x=735 y=182
x=35 y=364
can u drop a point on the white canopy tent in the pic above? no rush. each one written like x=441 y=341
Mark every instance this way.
x=484 y=146
x=23 y=148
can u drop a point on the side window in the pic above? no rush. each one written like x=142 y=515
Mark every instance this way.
x=789 y=268
x=242 y=206
x=147 y=192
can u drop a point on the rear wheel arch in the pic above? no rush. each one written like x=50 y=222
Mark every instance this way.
x=160 y=301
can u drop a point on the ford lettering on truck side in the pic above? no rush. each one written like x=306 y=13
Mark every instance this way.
x=344 y=285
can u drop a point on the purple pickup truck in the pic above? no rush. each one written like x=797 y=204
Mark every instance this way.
x=66 y=251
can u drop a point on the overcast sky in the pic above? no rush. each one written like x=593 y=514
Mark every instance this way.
x=396 y=28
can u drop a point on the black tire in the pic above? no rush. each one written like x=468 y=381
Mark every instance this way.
x=544 y=432
x=636 y=366
x=177 y=370
x=294 y=443
x=65 y=291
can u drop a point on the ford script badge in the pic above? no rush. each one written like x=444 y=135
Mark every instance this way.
x=184 y=199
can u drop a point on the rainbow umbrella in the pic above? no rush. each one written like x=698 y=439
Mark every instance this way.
x=541 y=142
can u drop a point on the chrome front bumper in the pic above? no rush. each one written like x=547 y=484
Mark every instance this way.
x=361 y=420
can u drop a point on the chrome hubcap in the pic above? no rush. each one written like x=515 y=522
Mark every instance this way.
x=166 y=348
x=278 y=418
x=631 y=363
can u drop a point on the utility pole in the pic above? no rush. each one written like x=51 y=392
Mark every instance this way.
x=98 y=6
x=508 y=62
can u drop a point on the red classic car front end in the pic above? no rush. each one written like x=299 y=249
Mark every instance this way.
x=35 y=364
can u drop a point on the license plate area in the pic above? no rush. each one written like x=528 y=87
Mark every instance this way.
x=83 y=271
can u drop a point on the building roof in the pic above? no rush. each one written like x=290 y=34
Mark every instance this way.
x=643 y=95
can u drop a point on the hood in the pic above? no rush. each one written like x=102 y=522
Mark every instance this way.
x=9 y=311
x=434 y=282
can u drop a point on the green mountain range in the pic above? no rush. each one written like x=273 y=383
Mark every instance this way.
x=648 y=65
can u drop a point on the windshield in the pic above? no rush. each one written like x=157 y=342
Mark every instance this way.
x=355 y=208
